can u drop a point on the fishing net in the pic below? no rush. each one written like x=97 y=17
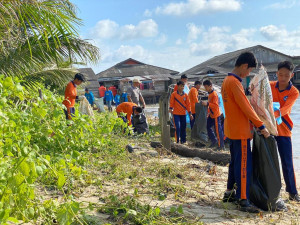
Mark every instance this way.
x=262 y=100
x=85 y=107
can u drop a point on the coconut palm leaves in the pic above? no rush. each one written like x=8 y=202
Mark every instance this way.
x=38 y=37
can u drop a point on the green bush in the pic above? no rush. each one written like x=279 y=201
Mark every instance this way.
x=37 y=147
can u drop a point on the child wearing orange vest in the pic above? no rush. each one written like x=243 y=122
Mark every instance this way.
x=214 y=117
x=184 y=79
x=129 y=109
x=193 y=96
x=286 y=94
x=179 y=104
x=239 y=113
x=71 y=95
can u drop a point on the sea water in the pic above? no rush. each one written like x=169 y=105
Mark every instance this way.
x=295 y=115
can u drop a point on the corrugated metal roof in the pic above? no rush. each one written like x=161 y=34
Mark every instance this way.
x=218 y=63
x=129 y=70
x=161 y=77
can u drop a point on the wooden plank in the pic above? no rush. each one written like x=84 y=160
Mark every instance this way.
x=164 y=118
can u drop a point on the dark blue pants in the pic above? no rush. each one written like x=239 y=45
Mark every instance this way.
x=193 y=121
x=180 y=126
x=214 y=125
x=240 y=167
x=286 y=155
x=72 y=112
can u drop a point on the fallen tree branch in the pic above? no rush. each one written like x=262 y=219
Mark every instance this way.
x=218 y=157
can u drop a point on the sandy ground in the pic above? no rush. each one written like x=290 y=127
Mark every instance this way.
x=202 y=183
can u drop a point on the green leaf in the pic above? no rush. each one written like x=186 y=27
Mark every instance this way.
x=61 y=180
x=180 y=209
x=24 y=169
x=173 y=209
x=13 y=220
x=161 y=196
x=39 y=170
x=157 y=211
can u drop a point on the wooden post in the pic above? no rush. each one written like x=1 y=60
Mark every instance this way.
x=164 y=119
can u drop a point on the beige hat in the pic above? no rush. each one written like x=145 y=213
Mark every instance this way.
x=136 y=80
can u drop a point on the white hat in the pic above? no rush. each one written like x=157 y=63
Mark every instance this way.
x=135 y=80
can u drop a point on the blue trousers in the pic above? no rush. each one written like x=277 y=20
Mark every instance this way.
x=214 y=124
x=180 y=126
x=284 y=145
x=240 y=167
x=193 y=121
x=109 y=105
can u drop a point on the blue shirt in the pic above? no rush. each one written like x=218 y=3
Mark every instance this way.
x=90 y=97
x=124 y=97
x=117 y=99
x=108 y=95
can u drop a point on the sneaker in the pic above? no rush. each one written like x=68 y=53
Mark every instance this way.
x=220 y=149
x=280 y=206
x=229 y=196
x=245 y=206
x=294 y=197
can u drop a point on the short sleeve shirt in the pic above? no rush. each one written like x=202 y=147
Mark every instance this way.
x=134 y=93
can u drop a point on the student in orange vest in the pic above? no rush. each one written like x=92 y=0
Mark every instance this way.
x=179 y=104
x=286 y=94
x=184 y=79
x=239 y=113
x=193 y=96
x=71 y=95
x=128 y=108
x=214 y=117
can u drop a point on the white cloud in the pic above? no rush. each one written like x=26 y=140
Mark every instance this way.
x=107 y=29
x=147 y=13
x=194 y=7
x=217 y=40
x=272 y=32
x=243 y=38
x=281 y=38
x=125 y=52
x=193 y=31
x=286 y=4
x=162 y=39
x=178 y=41
x=211 y=41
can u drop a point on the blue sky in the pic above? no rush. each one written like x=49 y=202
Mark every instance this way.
x=179 y=34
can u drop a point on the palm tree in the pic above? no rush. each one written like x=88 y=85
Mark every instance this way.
x=39 y=40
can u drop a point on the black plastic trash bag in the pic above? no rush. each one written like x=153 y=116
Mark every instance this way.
x=172 y=126
x=139 y=123
x=266 y=180
x=199 y=131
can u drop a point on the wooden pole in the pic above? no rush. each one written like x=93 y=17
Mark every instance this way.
x=164 y=119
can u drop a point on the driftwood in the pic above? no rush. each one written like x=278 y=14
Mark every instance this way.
x=221 y=158
x=156 y=144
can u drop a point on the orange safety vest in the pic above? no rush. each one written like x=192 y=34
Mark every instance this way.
x=238 y=110
x=286 y=99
